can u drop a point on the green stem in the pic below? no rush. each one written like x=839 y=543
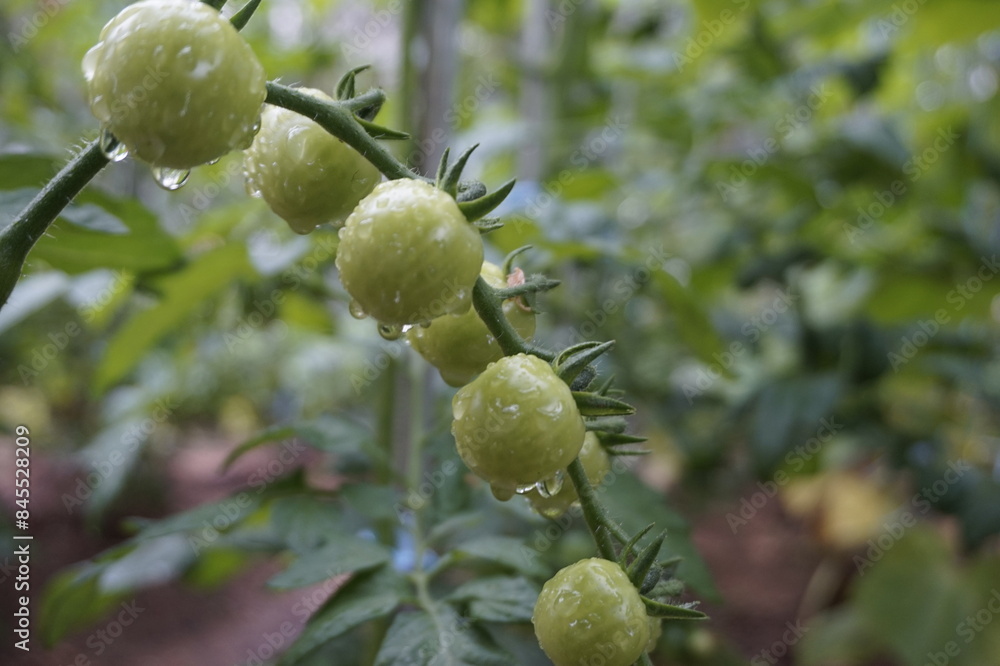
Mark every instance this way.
x=489 y=306
x=593 y=511
x=18 y=239
x=338 y=120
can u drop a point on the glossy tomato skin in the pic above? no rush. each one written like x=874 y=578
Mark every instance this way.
x=306 y=175
x=407 y=254
x=460 y=346
x=175 y=83
x=596 y=464
x=590 y=612
x=516 y=424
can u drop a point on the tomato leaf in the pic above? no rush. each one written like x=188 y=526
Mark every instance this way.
x=498 y=598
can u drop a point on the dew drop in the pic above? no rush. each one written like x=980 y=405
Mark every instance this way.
x=215 y=161
x=170 y=179
x=356 y=310
x=112 y=148
x=551 y=486
x=502 y=493
x=390 y=331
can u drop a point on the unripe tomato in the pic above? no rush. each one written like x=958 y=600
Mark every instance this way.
x=516 y=424
x=175 y=83
x=460 y=346
x=408 y=255
x=595 y=462
x=305 y=174
x=590 y=612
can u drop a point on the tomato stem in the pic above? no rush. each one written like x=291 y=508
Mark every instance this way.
x=489 y=307
x=22 y=234
x=338 y=119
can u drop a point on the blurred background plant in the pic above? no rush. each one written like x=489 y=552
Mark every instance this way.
x=787 y=214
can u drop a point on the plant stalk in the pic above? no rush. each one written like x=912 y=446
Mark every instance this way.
x=18 y=239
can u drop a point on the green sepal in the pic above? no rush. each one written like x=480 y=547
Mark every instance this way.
x=469 y=190
x=442 y=167
x=604 y=388
x=592 y=404
x=242 y=17
x=536 y=284
x=345 y=87
x=214 y=4
x=477 y=208
x=488 y=224
x=508 y=261
x=583 y=380
x=616 y=453
x=449 y=180
x=671 y=612
x=612 y=439
x=379 y=132
x=573 y=360
x=606 y=424
x=645 y=560
x=635 y=540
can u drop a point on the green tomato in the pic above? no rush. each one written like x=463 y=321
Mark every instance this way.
x=407 y=254
x=460 y=346
x=305 y=174
x=595 y=462
x=590 y=612
x=516 y=424
x=175 y=83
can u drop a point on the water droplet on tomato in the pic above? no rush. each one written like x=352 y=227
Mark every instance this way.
x=502 y=493
x=112 y=148
x=356 y=310
x=390 y=331
x=170 y=179
x=550 y=486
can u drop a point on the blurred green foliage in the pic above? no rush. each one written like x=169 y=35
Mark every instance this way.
x=783 y=212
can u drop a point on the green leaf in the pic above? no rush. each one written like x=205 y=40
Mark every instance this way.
x=71 y=601
x=26 y=170
x=335 y=434
x=365 y=597
x=909 y=593
x=243 y=16
x=306 y=521
x=419 y=639
x=670 y=612
x=477 y=208
x=207 y=520
x=183 y=293
x=78 y=241
x=498 y=598
x=574 y=360
x=343 y=554
x=692 y=322
x=508 y=552
x=592 y=404
x=113 y=454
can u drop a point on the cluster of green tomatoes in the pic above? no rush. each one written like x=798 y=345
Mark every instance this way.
x=177 y=87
